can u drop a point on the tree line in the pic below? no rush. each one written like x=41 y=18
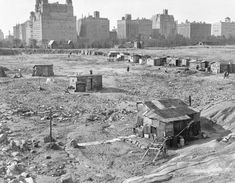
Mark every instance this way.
x=156 y=41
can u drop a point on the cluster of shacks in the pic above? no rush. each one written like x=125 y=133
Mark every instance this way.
x=202 y=65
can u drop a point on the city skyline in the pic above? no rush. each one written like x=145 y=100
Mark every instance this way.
x=181 y=9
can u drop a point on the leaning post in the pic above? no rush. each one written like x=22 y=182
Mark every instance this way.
x=51 y=139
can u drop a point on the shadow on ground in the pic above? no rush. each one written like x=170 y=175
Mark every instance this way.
x=212 y=130
x=113 y=90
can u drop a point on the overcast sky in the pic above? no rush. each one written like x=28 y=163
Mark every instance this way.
x=17 y=11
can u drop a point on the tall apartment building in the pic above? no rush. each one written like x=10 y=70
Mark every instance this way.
x=196 y=31
x=226 y=28
x=93 y=28
x=133 y=29
x=164 y=24
x=53 y=21
x=113 y=35
x=1 y=35
x=16 y=31
x=22 y=32
x=144 y=28
x=28 y=32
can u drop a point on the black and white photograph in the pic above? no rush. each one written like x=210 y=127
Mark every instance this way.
x=117 y=91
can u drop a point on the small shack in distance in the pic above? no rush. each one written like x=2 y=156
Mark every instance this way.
x=86 y=83
x=2 y=72
x=43 y=70
x=217 y=67
x=157 y=61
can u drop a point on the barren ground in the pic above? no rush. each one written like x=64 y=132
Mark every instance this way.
x=109 y=114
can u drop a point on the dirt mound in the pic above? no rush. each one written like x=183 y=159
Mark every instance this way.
x=222 y=113
x=2 y=72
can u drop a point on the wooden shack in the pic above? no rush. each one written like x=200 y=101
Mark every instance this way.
x=204 y=65
x=194 y=64
x=43 y=70
x=86 y=83
x=154 y=61
x=157 y=61
x=2 y=72
x=163 y=60
x=135 y=58
x=52 y=44
x=177 y=62
x=167 y=118
x=217 y=67
x=139 y=44
x=185 y=62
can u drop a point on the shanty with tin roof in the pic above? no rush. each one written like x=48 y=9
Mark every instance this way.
x=171 y=118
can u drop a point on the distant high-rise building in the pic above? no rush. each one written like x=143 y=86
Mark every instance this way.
x=196 y=31
x=133 y=29
x=127 y=28
x=22 y=32
x=164 y=24
x=29 y=32
x=113 y=35
x=16 y=31
x=144 y=28
x=226 y=28
x=1 y=35
x=53 y=21
x=93 y=28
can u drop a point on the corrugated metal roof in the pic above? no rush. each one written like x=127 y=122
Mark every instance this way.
x=167 y=103
x=169 y=110
x=166 y=119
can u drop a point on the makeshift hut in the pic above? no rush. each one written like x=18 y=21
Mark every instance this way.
x=154 y=61
x=194 y=64
x=170 y=61
x=174 y=62
x=163 y=60
x=204 y=65
x=184 y=62
x=43 y=70
x=2 y=72
x=135 y=58
x=52 y=44
x=139 y=44
x=85 y=83
x=70 y=44
x=167 y=118
x=120 y=57
x=217 y=67
x=112 y=55
x=178 y=62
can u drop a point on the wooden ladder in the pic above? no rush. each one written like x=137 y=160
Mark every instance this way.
x=157 y=147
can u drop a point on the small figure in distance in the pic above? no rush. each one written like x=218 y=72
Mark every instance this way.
x=91 y=72
x=128 y=68
x=226 y=74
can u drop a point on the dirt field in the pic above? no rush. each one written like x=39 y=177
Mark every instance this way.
x=109 y=114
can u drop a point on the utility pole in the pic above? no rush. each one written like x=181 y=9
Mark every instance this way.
x=51 y=125
x=190 y=100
